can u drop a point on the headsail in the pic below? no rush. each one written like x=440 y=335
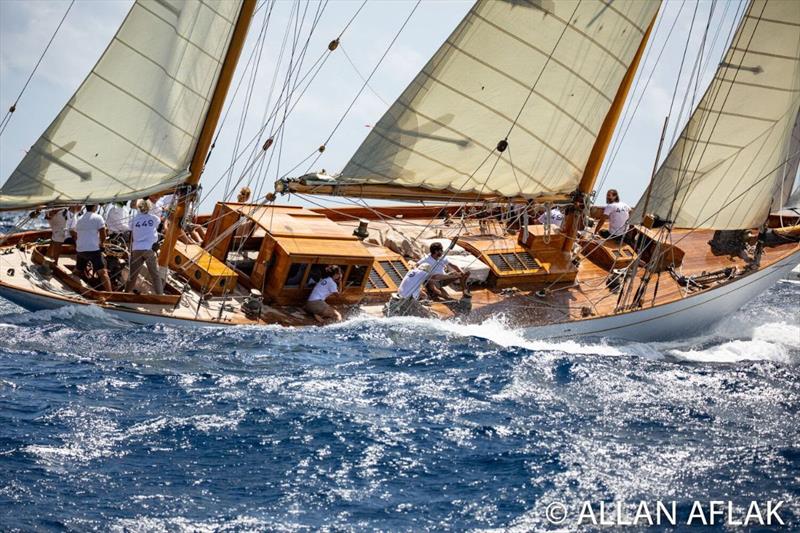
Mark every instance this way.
x=131 y=127
x=728 y=164
x=447 y=122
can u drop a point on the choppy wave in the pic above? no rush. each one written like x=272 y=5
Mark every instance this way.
x=399 y=424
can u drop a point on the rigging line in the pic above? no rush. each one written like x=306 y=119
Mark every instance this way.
x=7 y=117
x=627 y=119
x=258 y=50
x=716 y=122
x=363 y=86
x=323 y=57
x=544 y=67
x=229 y=104
x=358 y=72
x=252 y=159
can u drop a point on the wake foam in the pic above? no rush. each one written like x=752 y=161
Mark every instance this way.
x=76 y=314
x=770 y=342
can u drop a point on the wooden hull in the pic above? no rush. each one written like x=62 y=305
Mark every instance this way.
x=681 y=318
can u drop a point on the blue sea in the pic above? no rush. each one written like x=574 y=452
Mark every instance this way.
x=389 y=425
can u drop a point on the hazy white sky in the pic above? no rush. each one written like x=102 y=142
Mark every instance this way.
x=26 y=26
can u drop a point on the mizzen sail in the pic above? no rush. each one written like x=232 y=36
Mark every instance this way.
x=132 y=126
x=737 y=149
x=556 y=64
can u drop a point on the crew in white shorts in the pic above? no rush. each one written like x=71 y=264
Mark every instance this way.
x=411 y=286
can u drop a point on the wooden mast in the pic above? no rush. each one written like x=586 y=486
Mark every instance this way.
x=209 y=125
x=601 y=143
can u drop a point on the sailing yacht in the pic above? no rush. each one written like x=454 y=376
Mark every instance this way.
x=511 y=116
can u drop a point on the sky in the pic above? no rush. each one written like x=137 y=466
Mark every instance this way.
x=26 y=26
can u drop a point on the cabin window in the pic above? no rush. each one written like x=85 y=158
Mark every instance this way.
x=355 y=278
x=295 y=275
x=376 y=281
x=396 y=270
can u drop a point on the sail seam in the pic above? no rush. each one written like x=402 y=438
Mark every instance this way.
x=180 y=35
x=147 y=105
x=739 y=115
x=553 y=59
x=758 y=85
x=141 y=149
x=765 y=54
x=500 y=114
x=82 y=160
x=523 y=85
x=164 y=70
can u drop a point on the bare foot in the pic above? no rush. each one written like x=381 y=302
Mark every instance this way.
x=319 y=319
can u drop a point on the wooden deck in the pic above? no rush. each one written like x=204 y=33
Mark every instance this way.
x=553 y=300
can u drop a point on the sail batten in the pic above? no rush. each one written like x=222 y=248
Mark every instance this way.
x=726 y=169
x=131 y=127
x=540 y=75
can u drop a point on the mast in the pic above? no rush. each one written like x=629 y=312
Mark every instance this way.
x=598 y=153
x=209 y=126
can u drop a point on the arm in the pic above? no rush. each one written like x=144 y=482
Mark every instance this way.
x=102 y=237
x=600 y=223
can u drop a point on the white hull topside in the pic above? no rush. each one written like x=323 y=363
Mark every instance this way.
x=667 y=321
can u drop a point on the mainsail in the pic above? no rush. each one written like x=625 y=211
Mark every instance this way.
x=556 y=64
x=737 y=149
x=132 y=126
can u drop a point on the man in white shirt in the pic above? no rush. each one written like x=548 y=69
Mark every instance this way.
x=316 y=304
x=406 y=301
x=439 y=266
x=90 y=235
x=57 y=220
x=118 y=220
x=144 y=236
x=556 y=218
x=617 y=214
x=73 y=214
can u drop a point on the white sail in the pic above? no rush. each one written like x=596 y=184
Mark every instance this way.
x=441 y=130
x=728 y=164
x=131 y=127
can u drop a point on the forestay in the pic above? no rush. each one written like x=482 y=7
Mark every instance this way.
x=737 y=152
x=132 y=126
x=442 y=130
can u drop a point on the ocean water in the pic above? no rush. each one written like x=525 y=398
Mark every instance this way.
x=391 y=425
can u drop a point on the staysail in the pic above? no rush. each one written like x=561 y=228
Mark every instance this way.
x=548 y=68
x=737 y=148
x=132 y=126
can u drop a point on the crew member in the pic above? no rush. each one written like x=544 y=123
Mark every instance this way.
x=406 y=301
x=617 y=214
x=556 y=218
x=327 y=286
x=57 y=220
x=118 y=221
x=439 y=266
x=90 y=235
x=144 y=239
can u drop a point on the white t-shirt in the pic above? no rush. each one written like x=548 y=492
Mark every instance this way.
x=88 y=229
x=323 y=289
x=618 y=214
x=72 y=219
x=556 y=218
x=411 y=285
x=117 y=219
x=57 y=219
x=161 y=205
x=144 y=231
x=437 y=266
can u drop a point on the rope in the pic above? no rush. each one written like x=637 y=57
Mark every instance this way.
x=7 y=117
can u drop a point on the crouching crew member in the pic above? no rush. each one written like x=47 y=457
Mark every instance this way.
x=144 y=239
x=90 y=236
x=327 y=286
x=439 y=265
x=406 y=301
